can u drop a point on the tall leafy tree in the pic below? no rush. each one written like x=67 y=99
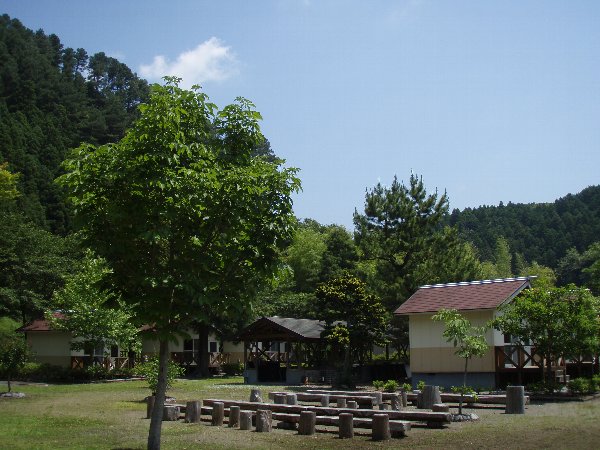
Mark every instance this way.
x=354 y=319
x=558 y=322
x=401 y=232
x=187 y=219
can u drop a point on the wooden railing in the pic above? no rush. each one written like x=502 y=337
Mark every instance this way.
x=108 y=362
x=186 y=359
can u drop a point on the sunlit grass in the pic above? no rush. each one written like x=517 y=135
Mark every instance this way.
x=112 y=415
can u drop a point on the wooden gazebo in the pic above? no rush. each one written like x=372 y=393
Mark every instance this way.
x=279 y=349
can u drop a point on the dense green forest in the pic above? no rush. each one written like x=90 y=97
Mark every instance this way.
x=540 y=232
x=52 y=99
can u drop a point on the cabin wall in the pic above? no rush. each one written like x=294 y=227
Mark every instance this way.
x=50 y=347
x=433 y=359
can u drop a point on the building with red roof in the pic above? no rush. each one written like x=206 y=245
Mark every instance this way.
x=433 y=360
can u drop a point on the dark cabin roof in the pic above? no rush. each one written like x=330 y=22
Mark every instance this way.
x=283 y=329
x=464 y=296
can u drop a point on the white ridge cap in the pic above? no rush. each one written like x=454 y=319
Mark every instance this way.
x=476 y=282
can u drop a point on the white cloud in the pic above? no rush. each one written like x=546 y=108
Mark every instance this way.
x=209 y=61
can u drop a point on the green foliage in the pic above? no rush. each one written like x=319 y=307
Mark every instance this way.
x=363 y=319
x=149 y=370
x=544 y=387
x=95 y=317
x=464 y=390
x=33 y=264
x=401 y=233
x=378 y=384
x=345 y=298
x=190 y=222
x=14 y=353
x=8 y=325
x=8 y=184
x=387 y=386
x=304 y=256
x=421 y=385
x=407 y=387
x=390 y=386
x=581 y=386
x=545 y=276
x=557 y=322
x=469 y=339
x=541 y=232
x=53 y=98
x=186 y=218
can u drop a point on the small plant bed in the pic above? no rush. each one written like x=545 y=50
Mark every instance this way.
x=578 y=389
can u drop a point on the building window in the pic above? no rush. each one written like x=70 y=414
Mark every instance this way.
x=212 y=347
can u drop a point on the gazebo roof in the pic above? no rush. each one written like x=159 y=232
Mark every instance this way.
x=283 y=329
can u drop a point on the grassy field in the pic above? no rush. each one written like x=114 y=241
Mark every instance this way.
x=112 y=416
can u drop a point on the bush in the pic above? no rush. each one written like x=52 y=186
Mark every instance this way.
x=390 y=386
x=232 y=369
x=407 y=387
x=544 y=387
x=421 y=385
x=580 y=386
x=149 y=370
x=378 y=384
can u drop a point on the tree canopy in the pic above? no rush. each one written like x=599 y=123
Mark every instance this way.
x=401 y=232
x=355 y=320
x=188 y=220
x=95 y=316
x=558 y=322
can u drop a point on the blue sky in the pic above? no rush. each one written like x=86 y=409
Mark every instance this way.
x=489 y=100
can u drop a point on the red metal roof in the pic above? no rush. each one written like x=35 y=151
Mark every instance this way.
x=470 y=295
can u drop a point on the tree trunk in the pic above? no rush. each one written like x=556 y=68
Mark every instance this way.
x=462 y=393
x=159 y=402
x=202 y=357
x=8 y=381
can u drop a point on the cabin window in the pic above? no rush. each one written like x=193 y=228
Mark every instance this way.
x=212 y=347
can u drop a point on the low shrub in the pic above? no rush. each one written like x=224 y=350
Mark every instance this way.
x=390 y=386
x=421 y=385
x=378 y=384
x=407 y=387
x=544 y=387
x=581 y=386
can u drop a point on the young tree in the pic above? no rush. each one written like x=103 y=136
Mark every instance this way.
x=14 y=353
x=186 y=218
x=95 y=317
x=364 y=318
x=468 y=339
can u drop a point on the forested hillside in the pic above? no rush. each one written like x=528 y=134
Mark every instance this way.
x=540 y=232
x=52 y=99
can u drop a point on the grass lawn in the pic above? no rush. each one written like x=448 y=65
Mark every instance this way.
x=112 y=416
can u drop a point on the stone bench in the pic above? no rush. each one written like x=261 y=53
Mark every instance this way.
x=366 y=401
x=486 y=399
x=432 y=419
x=398 y=428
